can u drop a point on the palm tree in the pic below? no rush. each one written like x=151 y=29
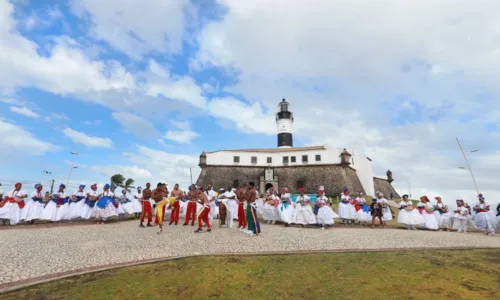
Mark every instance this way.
x=119 y=180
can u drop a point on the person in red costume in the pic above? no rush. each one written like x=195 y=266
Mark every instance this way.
x=193 y=196
x=204 y=212
x=10 y=208
x=178 y=195
x=146 y=206
x=241 y=196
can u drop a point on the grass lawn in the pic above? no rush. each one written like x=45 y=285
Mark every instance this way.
x=459 y=274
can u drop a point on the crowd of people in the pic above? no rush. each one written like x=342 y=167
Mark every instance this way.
x=244 y=204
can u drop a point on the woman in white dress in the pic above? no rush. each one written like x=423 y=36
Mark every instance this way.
x=12 y=205
x=91 y=199
x=304 y=214
x=386 y=210
x=137 y=202
x=325 y=214
x=443 y=216
x=346 y=208
x=285 y=208
x=485 y=218
x=461 y=217
x=270 y=212
x=33 y=210
x=104 y=207
x=124 y=205
x=58 y=207
x=77 y=204
x=428 y=213
x=363 y=214
x=409 y=215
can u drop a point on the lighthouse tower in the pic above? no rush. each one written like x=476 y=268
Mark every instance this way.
x=284 y=121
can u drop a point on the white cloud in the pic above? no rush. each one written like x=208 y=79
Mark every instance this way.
x=94 y=122
x=24 y=111
x=134 y=124
x=159 y=27
x=17 y=140
x=89 y=141
x=183 y=135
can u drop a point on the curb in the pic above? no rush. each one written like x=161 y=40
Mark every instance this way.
x=22 y=284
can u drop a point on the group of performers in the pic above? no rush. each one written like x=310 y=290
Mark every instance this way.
x=439 y=217
x=241 y=203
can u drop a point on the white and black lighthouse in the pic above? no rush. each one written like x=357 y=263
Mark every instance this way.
x=284 y=122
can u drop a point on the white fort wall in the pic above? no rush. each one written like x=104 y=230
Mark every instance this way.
x=361 y=164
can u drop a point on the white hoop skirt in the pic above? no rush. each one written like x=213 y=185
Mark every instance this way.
x=270 y=213
x=76 y=208
x=286 y=213
x=54 y=213
x=11 y=211
x=445 y=220
x=33 y=210
x=363 y=215
x=304 y=215
x=326 y=215
x=485 y=221
x=347 y=211
x=412 y=217
x=387 y=214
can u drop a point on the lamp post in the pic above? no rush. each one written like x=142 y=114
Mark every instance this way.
x=72 y=166
x=468 y=165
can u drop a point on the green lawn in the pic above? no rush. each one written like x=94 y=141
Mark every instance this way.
x=464 y=274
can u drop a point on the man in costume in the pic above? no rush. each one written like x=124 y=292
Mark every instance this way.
x=222 y=208
x=178 y=195
x=211 y=201
x=252 y=221
x=146 y=206
x=241 y=194
x=193 y=196
x=159 y=196
x=203 y=213
x=230 y=203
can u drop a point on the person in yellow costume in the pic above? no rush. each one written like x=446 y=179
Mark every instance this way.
x=159 y=195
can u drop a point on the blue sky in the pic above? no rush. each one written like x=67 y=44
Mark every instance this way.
x=144 y=88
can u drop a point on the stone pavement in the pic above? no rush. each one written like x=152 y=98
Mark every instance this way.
x=31 y=254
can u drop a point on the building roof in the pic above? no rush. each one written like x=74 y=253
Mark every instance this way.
x=274 y=150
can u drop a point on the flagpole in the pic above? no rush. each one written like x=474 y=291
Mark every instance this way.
x=468 y=165
x=191 y=173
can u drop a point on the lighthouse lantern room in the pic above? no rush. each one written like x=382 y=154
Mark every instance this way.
x=284 y=121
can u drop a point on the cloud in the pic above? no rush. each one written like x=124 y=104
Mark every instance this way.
x=95 y=122
x=183 y=135
x=24 y=111
x=56 y=116
x=89 y=141
x=115 y=22
x=17 y=140
x=135 y=125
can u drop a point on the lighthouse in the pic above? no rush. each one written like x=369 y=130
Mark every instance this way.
x=284 y=122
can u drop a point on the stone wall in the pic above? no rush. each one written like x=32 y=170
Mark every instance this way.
x=383 y=186
x=333 y=177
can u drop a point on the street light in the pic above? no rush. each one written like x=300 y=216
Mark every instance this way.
x=72 y=166
x=468 y=165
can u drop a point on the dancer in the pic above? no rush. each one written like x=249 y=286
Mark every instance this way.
x=443 y=216
x=191 y=206
x=211 y=195
x=57 y=209
x=285 y=208
x=175 y=207
x=408 y=215
x=104 y=207
x=252 y=221
x=240 y=195
x=346 y=209
x=377 y=212
x=363 y=214
x=159 y=195
x=126 y=206
x=485 y=218
x=325 y=213
x=270 y=211
x=77 y=203
x=461 y=217
x=202 y=215
x=86 y=212
x=231 y=206
x=33 y=210
x=146 y=206
x=138 y=201
x=386 y=210
x=428 y=214
x=12 y=205
x=303 y=212
x=222 y=207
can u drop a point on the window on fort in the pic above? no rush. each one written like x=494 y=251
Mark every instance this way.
x=285 y=159
x=236 y=159
x=318 y=157
x=304 y=158
x=292 y=159
x=236 y=183
x=269 y=160
x=254 y=159
x=300 y=184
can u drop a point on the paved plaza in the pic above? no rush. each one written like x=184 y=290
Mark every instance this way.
x=34 y=253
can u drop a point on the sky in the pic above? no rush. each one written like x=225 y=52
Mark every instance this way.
x=141 y=88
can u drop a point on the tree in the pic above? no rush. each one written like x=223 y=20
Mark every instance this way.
x=119 y=180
